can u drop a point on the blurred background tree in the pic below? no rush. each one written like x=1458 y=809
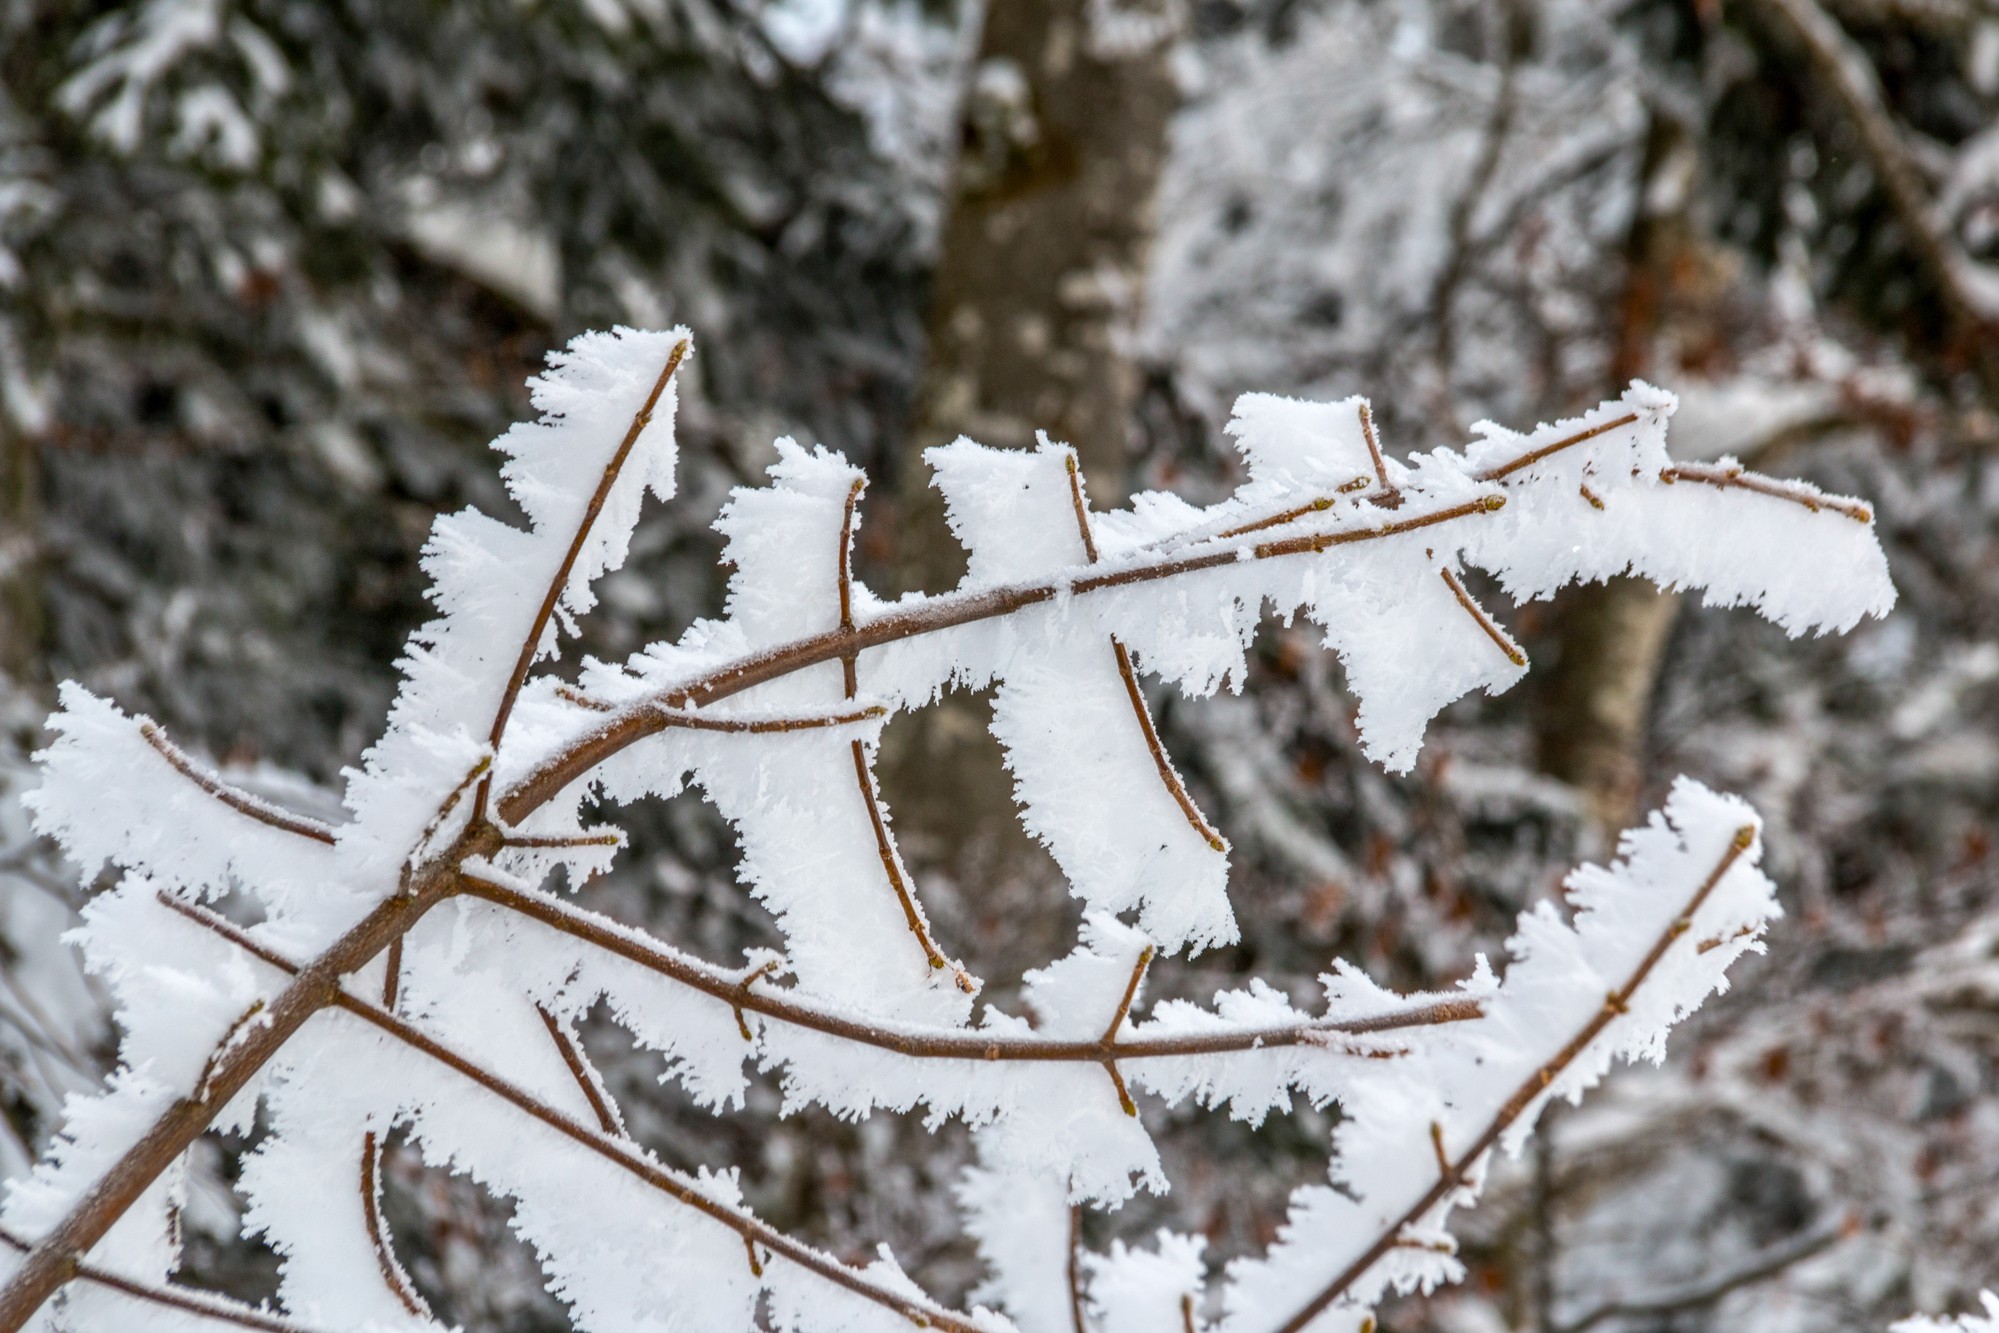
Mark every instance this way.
x=274 y=270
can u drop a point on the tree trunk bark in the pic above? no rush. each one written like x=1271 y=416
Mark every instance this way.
x=1033 y=316
x=1595 y=702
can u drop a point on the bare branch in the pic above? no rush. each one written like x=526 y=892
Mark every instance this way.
x=891 y=856
x=1373 y=447
x=763 y=726
x=1452 y=1170
x=242 y=802
x=1109 y=1040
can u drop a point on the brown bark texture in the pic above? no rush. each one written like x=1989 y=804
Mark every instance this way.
x=1040 y=272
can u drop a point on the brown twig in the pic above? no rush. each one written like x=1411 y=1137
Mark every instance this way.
x=579 y=1069
x=615 y=1150
x=534 y=840
x=1453 y=1170
x=1109 y=1043
x=1279 y=519
x=750 y=978
x=915 y=1042
x=393 y=1273
x=1533 y=456
x=1798 y=493
x=189 y=1302
x=1485 y=622
x=891 y=857
x=1082 y=508
x=531 y=645
x=564 y=690
x=242 y=802
x=1160 y=759
x=1373 y=446
x=763 y=726
x=480 y=767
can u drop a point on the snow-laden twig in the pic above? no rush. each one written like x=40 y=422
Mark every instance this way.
x=426 y=894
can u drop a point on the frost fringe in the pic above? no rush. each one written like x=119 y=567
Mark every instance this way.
x=478 y=787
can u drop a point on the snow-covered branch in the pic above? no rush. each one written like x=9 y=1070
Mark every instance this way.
x=482 y=785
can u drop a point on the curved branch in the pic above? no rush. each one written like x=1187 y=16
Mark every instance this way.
x=1452 y=1170
x=918 y=1043
x=242 y=802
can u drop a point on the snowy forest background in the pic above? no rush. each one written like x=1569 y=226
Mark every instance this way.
x=274 y=272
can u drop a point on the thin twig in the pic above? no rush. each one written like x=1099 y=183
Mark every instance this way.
x=1109 y=1041
x=1283 y=516
x=1798 y=493
x=1485 y=622
x=1082 y=508
x=393 y=1274
x=189 y=1302
x=1452 y=1170
x=242 y=802
x=564 y=690
x=616 y=1150
x=1533 y=456
x=579 y=1069
x=763 y=726
x=531 y=645
x=891 y=856
x=917 y=1042
x=1161 y=761
x=534 y=840
x=1373 y=447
